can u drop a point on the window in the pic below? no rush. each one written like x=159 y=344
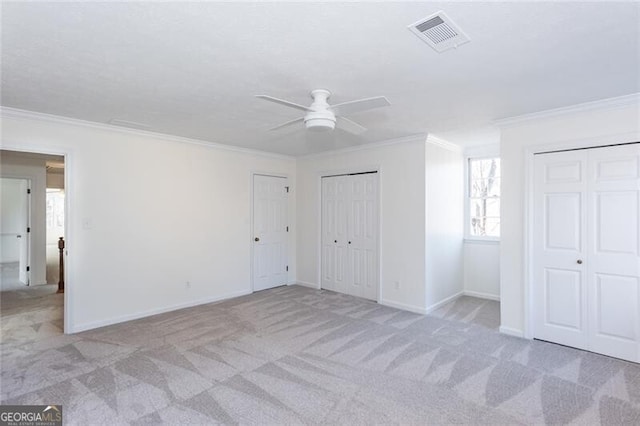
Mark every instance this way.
x=483 y=214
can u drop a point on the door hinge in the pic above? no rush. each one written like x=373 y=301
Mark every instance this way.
x=28 y=268
x=28 y=229
x=28 y=190
x=287 y=229
x=287 y=268
x=287 y=189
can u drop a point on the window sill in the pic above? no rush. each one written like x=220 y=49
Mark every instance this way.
x=479 y=240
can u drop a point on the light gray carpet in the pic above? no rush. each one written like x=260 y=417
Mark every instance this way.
x=10 y=276
x=293 y=355
x=30 y=314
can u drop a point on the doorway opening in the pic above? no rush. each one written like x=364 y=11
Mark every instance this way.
x=32 y=264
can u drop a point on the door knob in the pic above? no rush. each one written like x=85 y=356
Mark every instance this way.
x=256 y=239
x=349 y=242
x=18 y=236
x=579 y=262
x=335 y=241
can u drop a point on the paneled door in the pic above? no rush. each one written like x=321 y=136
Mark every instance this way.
x=587 y=249
x=560 y=292
x=270 y=230
x=14 y=229
x=349 y=255
x=335 y=200
x=362 y=233
x=613 y=255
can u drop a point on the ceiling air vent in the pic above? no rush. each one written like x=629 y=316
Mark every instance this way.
x=439 y=32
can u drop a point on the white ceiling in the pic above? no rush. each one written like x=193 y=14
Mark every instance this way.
x=191 y=69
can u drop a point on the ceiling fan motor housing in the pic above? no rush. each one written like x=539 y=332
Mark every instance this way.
x=321 y=118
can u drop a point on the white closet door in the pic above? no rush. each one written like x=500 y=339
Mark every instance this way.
x=560 y=294
x=363 y=235
x=613 y=262
x=587 y=249
x=270 y=232
x=335 y=198
x=349 y=259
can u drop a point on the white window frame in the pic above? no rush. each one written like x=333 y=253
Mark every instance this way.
x=467 y=197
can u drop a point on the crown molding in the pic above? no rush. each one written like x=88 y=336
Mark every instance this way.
x=8 y=112
x=602 y=104
x=434 y=140
x=418 y=137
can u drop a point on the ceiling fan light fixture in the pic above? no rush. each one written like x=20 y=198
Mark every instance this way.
x=320 y=121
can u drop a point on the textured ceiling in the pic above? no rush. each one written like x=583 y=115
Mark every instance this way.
x=191 y=69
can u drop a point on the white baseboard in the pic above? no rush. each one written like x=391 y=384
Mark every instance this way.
x=124 y=318
x=403 y=306
x=511 y=331
x=481 y=295
x=307 y=284
x=443 y=302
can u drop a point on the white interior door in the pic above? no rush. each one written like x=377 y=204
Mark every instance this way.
x=560 y=225
x=335 y=198
x=613 y=256
x=363 y=235
x=270 y=228
x=14 y=226
x=349 y=259
x=587 y=249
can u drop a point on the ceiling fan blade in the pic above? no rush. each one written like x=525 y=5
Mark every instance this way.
x=288 y=123
x=283 y=102
x=350 y=126
x=346 y=108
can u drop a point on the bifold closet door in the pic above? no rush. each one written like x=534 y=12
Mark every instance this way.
x=349 y=259
x=560 y=220
x=362 y=235
x=587 y=249
x=613 y=255
x=334 y=233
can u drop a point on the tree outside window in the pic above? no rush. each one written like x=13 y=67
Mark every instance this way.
x=484 y=197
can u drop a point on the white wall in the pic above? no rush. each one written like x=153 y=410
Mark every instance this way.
x=590 y=127
x=16 y=166
x=482 y=269
x=444 y=224
x=146 y=214
x=402 y=216
x=420 y=219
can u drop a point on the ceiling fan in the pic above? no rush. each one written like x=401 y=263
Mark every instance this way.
x=322 y=116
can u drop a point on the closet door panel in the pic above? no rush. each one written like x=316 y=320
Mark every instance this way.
x=334 y=263
x=613 y=258
x=363 y=232
x=559 y=287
